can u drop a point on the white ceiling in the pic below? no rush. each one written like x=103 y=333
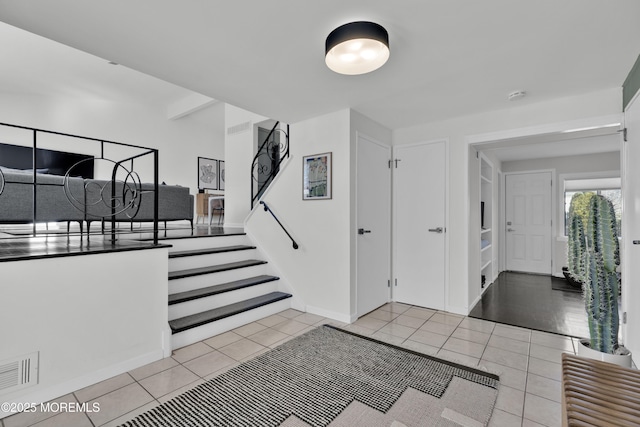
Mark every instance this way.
x=34 y=65
x=448 y=57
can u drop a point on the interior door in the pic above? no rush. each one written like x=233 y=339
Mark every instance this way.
x=631 y=227
x=419 y=200
x=373 y=244
x=528 y=222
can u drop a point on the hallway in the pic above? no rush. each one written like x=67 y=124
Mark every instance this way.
x=528 y=300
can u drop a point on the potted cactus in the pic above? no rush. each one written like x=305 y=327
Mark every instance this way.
x=576 y=245
x=596 y=257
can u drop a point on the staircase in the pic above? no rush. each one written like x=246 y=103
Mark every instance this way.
x=218 y=283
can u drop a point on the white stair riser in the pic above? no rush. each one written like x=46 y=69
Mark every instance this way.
x=202 y=281
x=209 y=330
x=206 y=242
x=199 y=305
x=197 y=261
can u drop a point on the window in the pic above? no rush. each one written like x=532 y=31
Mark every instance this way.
x=607 y=187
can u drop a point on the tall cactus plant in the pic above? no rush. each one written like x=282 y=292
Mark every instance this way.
x=576 y=244
x=597 y=268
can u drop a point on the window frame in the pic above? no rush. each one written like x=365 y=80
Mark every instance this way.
x=563 y=178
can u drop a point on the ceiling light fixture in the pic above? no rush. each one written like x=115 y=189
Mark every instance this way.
x=357 y=48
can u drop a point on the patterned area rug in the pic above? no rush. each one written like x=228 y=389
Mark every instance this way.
x=331 y=377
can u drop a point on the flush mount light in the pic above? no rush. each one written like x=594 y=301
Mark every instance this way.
x=357 y=48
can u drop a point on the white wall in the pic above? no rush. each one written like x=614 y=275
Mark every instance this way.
x=88 y=326
x=319 y=271
x=239 y=152
x=602 y=162
x=465 y=130
x=179 y=142
x=322 y=271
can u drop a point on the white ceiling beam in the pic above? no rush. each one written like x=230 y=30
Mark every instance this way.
x=188 y=105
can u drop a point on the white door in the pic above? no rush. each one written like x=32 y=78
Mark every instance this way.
x=528 y=222
x=630 y=256
x=419 y=199
x=373 y=244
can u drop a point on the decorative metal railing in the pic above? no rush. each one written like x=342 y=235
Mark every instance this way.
x=267 y=161
x=103 y=200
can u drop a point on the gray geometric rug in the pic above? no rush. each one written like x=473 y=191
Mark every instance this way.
x=333 y=377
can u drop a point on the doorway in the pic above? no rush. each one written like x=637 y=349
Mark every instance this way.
x=571 y=149
x=373 y=242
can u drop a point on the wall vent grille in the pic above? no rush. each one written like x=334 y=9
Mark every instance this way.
x=242 y=127
x=18 y=372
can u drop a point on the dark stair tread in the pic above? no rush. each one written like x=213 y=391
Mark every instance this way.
x=208 y=251
x=195 y=234
x=213 y=269
x=218 y=289
x=199 y=319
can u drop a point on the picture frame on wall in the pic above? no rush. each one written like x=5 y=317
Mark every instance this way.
x=316 y=177
x=221 y=172
x=207 y=174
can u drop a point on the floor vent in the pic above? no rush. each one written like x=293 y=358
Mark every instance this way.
x=18 y=372
x=242 y=127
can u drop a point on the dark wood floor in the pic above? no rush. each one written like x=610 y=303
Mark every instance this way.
x=19 y=243
x=528 y=300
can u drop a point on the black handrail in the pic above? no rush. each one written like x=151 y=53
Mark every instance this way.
x=268 y=209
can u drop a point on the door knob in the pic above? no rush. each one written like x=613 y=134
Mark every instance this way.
x=510 y=229
x=363 y=231
x=436 y=230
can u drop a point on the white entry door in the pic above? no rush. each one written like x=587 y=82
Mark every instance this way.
x=373 y=244
x=419 y=209
x=528 y=222
x=631 y=227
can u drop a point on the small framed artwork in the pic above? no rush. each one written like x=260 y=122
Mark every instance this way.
x=316 y=177
x=207 y=174
x=220 y=174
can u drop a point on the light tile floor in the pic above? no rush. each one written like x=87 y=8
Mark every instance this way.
x=527 y=361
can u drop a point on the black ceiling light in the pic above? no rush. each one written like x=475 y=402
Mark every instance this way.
x=357 y=48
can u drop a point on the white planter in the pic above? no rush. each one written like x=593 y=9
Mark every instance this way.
x=623 y=360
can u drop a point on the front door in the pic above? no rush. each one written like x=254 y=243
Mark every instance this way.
x=419 y=197
x=528 y=222
x=373 y=244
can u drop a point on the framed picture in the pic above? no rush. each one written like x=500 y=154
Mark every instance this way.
x=316 y=177
x=207 y=174
x=220 y=174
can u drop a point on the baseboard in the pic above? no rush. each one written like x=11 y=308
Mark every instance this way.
x=340 y=317
x=61 y=389
x=459 y=310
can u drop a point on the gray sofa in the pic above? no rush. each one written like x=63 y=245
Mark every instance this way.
x=86 y=200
